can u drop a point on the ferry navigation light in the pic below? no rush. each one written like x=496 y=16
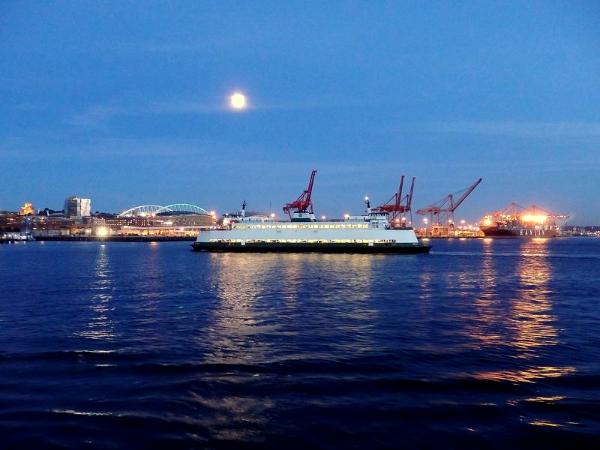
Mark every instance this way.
x=346 y=216
x=323 y=217
x=272 y=215
x=238 y=101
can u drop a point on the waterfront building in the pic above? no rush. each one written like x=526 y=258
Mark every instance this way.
x=10 y=222
x=27 y=209
x=77 y=207
x=172 y=221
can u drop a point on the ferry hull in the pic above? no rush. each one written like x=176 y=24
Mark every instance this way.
x=263 y=247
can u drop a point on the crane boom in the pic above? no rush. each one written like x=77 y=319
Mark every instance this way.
x=303 y=203
x=399 y=204
x=410 y=194
x=465 y=195
x=444 y=208
x=399 y=193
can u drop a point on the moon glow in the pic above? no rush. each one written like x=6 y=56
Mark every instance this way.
x=238 y=101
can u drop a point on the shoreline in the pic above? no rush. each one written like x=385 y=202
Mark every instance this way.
x=115 y=239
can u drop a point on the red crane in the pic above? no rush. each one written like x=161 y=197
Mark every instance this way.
x=447 y=205
x=302 y=204
x=398 y=205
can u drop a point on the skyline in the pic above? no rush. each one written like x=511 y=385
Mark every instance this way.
x=129 y=106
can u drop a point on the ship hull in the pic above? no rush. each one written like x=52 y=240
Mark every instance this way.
x=518 y=233
x=279 y=247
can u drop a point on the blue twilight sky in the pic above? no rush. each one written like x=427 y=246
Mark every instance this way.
x=125 y=102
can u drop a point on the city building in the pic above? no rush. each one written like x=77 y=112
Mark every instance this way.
x=27 y=209
x=77 y=207
x=177 y=221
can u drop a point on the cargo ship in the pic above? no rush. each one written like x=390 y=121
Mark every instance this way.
x=517 y=221
x=380 y=230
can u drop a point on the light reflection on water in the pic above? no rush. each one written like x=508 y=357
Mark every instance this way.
x=488 y=316
x=100 y=326
x=239 y=283
x=479 y=335
x=258 y=297
x=526 y=375
x=532 y=318
x=530 y=325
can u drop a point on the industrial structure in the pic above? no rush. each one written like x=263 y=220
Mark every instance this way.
x=517 y=221
x=303 y=204
x=439 y=216
x=398 y=206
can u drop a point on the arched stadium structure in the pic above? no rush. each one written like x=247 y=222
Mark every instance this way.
x=154 y=210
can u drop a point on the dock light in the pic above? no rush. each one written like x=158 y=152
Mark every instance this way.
x=425 y=220
x=462 y=222
x=534 y=218
x=102 y=232
x=213 y=213
x=403 y=219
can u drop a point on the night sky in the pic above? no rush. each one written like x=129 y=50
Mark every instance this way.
x=126 y=102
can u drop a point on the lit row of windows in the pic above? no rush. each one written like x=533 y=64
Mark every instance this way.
x=302 y=226
x=305 y=241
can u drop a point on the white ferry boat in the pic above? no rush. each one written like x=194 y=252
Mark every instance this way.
x=377 y=231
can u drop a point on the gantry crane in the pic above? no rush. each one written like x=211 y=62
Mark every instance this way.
x=442 y=212
x=302 y=204
x=398 y=205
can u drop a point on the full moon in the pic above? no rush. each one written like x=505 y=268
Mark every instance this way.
x=238 y=101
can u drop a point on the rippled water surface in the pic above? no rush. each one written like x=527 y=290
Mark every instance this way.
x=481 y=343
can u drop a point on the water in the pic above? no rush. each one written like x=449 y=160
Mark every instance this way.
x=480 y=344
